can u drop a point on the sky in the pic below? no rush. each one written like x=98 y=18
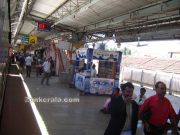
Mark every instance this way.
x=158 y=49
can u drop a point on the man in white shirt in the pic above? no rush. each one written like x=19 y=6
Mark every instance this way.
x=141 y=97
x=28 y=61
x=93 y=71
x=46 y=67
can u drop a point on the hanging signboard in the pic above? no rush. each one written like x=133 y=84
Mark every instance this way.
x=105 y=55
x=21 y=46
x=64 y=45
x=32 y=39
x=25 y=39
x=43 y=26
x=81 y=53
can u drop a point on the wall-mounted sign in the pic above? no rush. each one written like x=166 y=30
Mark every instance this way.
x=21 y=46
x=32 y=39
x=25 y=39
x=64 y=45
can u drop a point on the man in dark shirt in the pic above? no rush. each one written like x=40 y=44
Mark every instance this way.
x=124 y=113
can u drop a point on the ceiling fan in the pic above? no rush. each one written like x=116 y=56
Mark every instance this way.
x=140 y=45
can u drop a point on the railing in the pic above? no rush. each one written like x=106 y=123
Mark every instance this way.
x=149 y=78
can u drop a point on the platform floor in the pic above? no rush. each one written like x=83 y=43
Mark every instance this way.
x=80 y=118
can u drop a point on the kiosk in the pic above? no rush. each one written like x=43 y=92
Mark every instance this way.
x=108 y=72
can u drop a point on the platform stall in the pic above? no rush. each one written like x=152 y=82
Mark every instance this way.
x=82 y=79
x=108 y=72
x=108 y=67
x=82 y=82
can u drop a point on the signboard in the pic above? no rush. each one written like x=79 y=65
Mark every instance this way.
x=32 y=39
x=81 y=53
x=105 y=55
x=42 y=26
x=25 y=39
x=64 y=45
x=82 y=82
x=21 y=47
x=101 y=86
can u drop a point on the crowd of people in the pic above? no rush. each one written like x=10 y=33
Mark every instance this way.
x=42 y=66
x=154 y=111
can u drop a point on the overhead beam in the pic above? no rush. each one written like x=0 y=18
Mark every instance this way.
x=20 y=17
x=143 y=14
x=29 y=8
x=163 y=32
x=83 y=6
x=57 y=8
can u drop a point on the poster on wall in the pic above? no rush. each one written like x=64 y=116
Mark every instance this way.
x=105 y=55
x=118 y=63
x=64 y=45
x=82 y=82
x=81 y=53
x=101 y=86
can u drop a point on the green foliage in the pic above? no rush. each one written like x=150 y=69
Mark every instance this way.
x=126 y=51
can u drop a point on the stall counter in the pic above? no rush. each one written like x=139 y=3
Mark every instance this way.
x=101 y=86
x=82 y=82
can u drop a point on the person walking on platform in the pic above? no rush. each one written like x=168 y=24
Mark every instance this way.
x=28 y=61
x=21 y=63
x=155 y=112
x=124 y=113
x=47 y=71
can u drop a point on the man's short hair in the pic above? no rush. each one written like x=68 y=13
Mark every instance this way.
x=159 y=82
x=127 y=84
x=117 y=89
x=142 y=89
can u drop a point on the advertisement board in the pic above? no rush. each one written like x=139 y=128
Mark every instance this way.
x=105 y=55
x=101 y=86
x=64 y=45
x=82 y=82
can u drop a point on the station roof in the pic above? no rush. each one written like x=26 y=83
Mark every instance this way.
x=126 y=19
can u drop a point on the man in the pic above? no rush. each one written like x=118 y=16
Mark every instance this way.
x=156 y=110
x=28 y=61
x=124 y=113
x=21 y=63
x=46 y=67
x=141 y=97
x=93 y=71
